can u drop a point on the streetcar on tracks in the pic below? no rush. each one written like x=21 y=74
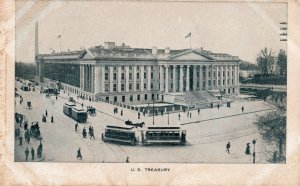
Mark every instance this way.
x=165 y=135
x=117 y=134
x=78 y=114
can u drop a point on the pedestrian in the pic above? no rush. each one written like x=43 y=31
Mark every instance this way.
x=242 y=108
x=26 y=153
x=17 y=132
x=46 y=113
x=122 y=112
x=81 y=104
x=248 y=149
x=228 y=148
x=218 y=106
x=32 y=154
x=84 y=132
x=179 y=117
x=56 y=98
x=198 y=111
x=92 y=133
x=79 y=154
x=127 y=160
x=25 y=125
x=52 y=120
x=90 y=129
x=190 y=114
x=20 y=139
x=76 y=126
x=211 y=105
x=139 y=115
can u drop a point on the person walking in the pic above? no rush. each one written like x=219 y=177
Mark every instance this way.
x=248 y=149
x=92 y=133
x=82 y=104
x=218 y=106
x=26 y=153
x=46 y=113
x=122 y=112
x=127 y=160
x=56 y=98
x=20 y=139
x=76 y=126
x=228 y=148
x=198 y=111
x=187 y=115
x=52 y=119
x=139 y=115
x=179 y=117
x=190 y=114
x=79 y=154
x=242 y=108
x=84 y=132
x=32 y=154
x=25 y=125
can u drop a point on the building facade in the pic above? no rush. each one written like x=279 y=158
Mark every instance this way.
x=135 y=75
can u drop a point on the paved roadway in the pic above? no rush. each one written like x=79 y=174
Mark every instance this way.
x=207 y=133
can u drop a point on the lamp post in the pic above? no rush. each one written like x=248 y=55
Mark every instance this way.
x=168 y=118
x=254 y=141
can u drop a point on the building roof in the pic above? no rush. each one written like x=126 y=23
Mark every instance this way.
x=125 y=51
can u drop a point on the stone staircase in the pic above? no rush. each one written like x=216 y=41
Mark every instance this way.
x=198 y=99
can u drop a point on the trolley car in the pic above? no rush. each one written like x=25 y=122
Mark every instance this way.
x=163 y=135
x=79 y=114
x=125 y=135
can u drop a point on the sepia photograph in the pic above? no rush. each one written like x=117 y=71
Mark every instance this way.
x=150 y=82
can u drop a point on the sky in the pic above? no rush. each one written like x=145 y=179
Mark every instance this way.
x=237 y=28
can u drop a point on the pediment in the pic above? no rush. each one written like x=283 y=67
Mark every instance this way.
x=191 y=55
x=88 y=55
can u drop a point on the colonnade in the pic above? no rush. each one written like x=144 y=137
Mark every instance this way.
x=169 y=77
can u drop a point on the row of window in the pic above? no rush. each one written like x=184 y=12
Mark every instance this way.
x=152 y=76
x=210 y=83
x=123 y=67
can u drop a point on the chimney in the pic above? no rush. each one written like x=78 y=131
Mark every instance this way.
x=154 y=50
x=167 y=50
x=201 y=48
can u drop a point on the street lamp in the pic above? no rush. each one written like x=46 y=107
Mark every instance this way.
x=254 y=141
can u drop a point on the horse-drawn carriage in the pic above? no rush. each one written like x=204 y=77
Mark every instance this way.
x=29 y=105
x=35 y=130
x=91 y=111
x=136 y=125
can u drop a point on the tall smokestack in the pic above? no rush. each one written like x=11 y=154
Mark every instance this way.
x=36 y=39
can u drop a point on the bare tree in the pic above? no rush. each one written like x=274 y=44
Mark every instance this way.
x=265 y=61
x=282 y=62
x=272 y=128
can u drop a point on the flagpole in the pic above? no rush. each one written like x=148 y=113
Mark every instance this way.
x=191 y=42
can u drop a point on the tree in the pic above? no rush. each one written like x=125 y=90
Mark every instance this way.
x=272 y=128
x=282 y=62
x=265 y=61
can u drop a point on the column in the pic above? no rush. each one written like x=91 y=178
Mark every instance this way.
x=149 y=77
x=194 y=77
x=119 y=77
x=142 y=78
x=217 y=76
x=226 y=75
x=174 y=78
x=161 y=77
x=127 y=78
x=97 y=79
x=230 y=74
x=200 y=77
x=238 y=75
x=180 y=79
x=93 y=76
x=167 y=79
x=212 y=77
x=134 y=78
x=111 y=76
x=206 y=77
x=221 y=73
x=187 y=78
x=81 y=77
x=103 y=78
